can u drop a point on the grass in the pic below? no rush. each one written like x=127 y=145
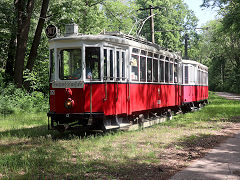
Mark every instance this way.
x=29 y=151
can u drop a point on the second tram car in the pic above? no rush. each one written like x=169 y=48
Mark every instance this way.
x=102 y=81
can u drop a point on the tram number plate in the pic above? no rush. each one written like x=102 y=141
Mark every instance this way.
x=158 y=101
x=67 y=84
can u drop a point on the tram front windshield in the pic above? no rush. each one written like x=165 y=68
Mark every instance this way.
x=70 y=64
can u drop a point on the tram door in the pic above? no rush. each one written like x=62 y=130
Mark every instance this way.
x=177 y=81
x=120 y=85
x=114 y=78
x=108 y=78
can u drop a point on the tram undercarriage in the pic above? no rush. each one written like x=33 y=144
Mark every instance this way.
x=138 y=120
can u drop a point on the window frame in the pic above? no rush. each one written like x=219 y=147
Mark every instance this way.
x=186 y=78
x=131 y=68
x=59 y=59
x=52 y=65
x=151 y=63
x=100 y=62
x=144 y=72
x=161 y=73
x=167 y=61
x=171 y=72
x=175 y=72
x=157 y=76
x=132 y=53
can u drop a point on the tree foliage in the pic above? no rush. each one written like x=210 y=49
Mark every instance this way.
x=172 y=19
x=221 y=52
x=24 y=47
x=230 y=10
x=221 y=46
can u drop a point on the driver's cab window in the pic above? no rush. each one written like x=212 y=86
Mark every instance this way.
x=70 y=64
x=52 y=65
x=92 y=60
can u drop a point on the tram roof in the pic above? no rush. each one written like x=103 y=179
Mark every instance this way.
x=203 y=67
x=119 y=39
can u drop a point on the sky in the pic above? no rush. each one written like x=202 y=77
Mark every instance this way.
x=203 y=14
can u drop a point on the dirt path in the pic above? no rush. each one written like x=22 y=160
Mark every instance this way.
x=221 y=162
x=229 y=96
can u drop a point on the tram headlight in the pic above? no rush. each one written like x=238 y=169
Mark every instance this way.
x=69 y=103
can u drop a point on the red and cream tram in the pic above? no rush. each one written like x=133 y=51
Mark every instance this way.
x=101 y=81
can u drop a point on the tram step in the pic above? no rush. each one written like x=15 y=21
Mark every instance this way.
x=124 y=126
x=111 y=127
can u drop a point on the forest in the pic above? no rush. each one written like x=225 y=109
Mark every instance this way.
x=24 y=54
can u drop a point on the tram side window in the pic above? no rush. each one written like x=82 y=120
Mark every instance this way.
x=201 y=78
x=155 y=70
x=134 y=65
x=186 y=74
x=166 y=71
x=175 y=73
x=105 y=63
x=171 y=72
x=149 y=69
x=92 y=59
x=111 y=64
x=161 y=73
x=118 y=65
x=123 y=65
x=143 y=69
x=143 y=52
x=134 y=50
x=70 y=64
x=52 y=65
x=207 y=79
x=204 y=78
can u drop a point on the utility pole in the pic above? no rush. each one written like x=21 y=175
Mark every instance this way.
x=152 y=20
x=186 y=46
x=186 y=38
x=152 y=24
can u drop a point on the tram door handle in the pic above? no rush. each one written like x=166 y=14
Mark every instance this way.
x=105 y=99
x=117 y=90
x=128 y=90
x=91 y=98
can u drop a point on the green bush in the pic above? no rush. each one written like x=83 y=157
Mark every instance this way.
x=14 y=100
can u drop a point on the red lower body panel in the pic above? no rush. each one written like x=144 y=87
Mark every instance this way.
x=194 y=93
x=114 y=99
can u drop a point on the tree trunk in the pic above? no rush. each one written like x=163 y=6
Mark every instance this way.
x=37 y=36
x=23 y=22
x=9 y=69
x=36 y=40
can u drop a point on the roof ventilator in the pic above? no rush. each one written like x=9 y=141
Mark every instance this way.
x=71 y=29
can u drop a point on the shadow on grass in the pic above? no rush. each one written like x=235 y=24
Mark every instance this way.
x=55 y=161
x=55 y=168
x=43 y=131
x=195 y=146
x=42 y=157
x=52 y=160
x=31 y=132
x=218 y=159
x=46 y=158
